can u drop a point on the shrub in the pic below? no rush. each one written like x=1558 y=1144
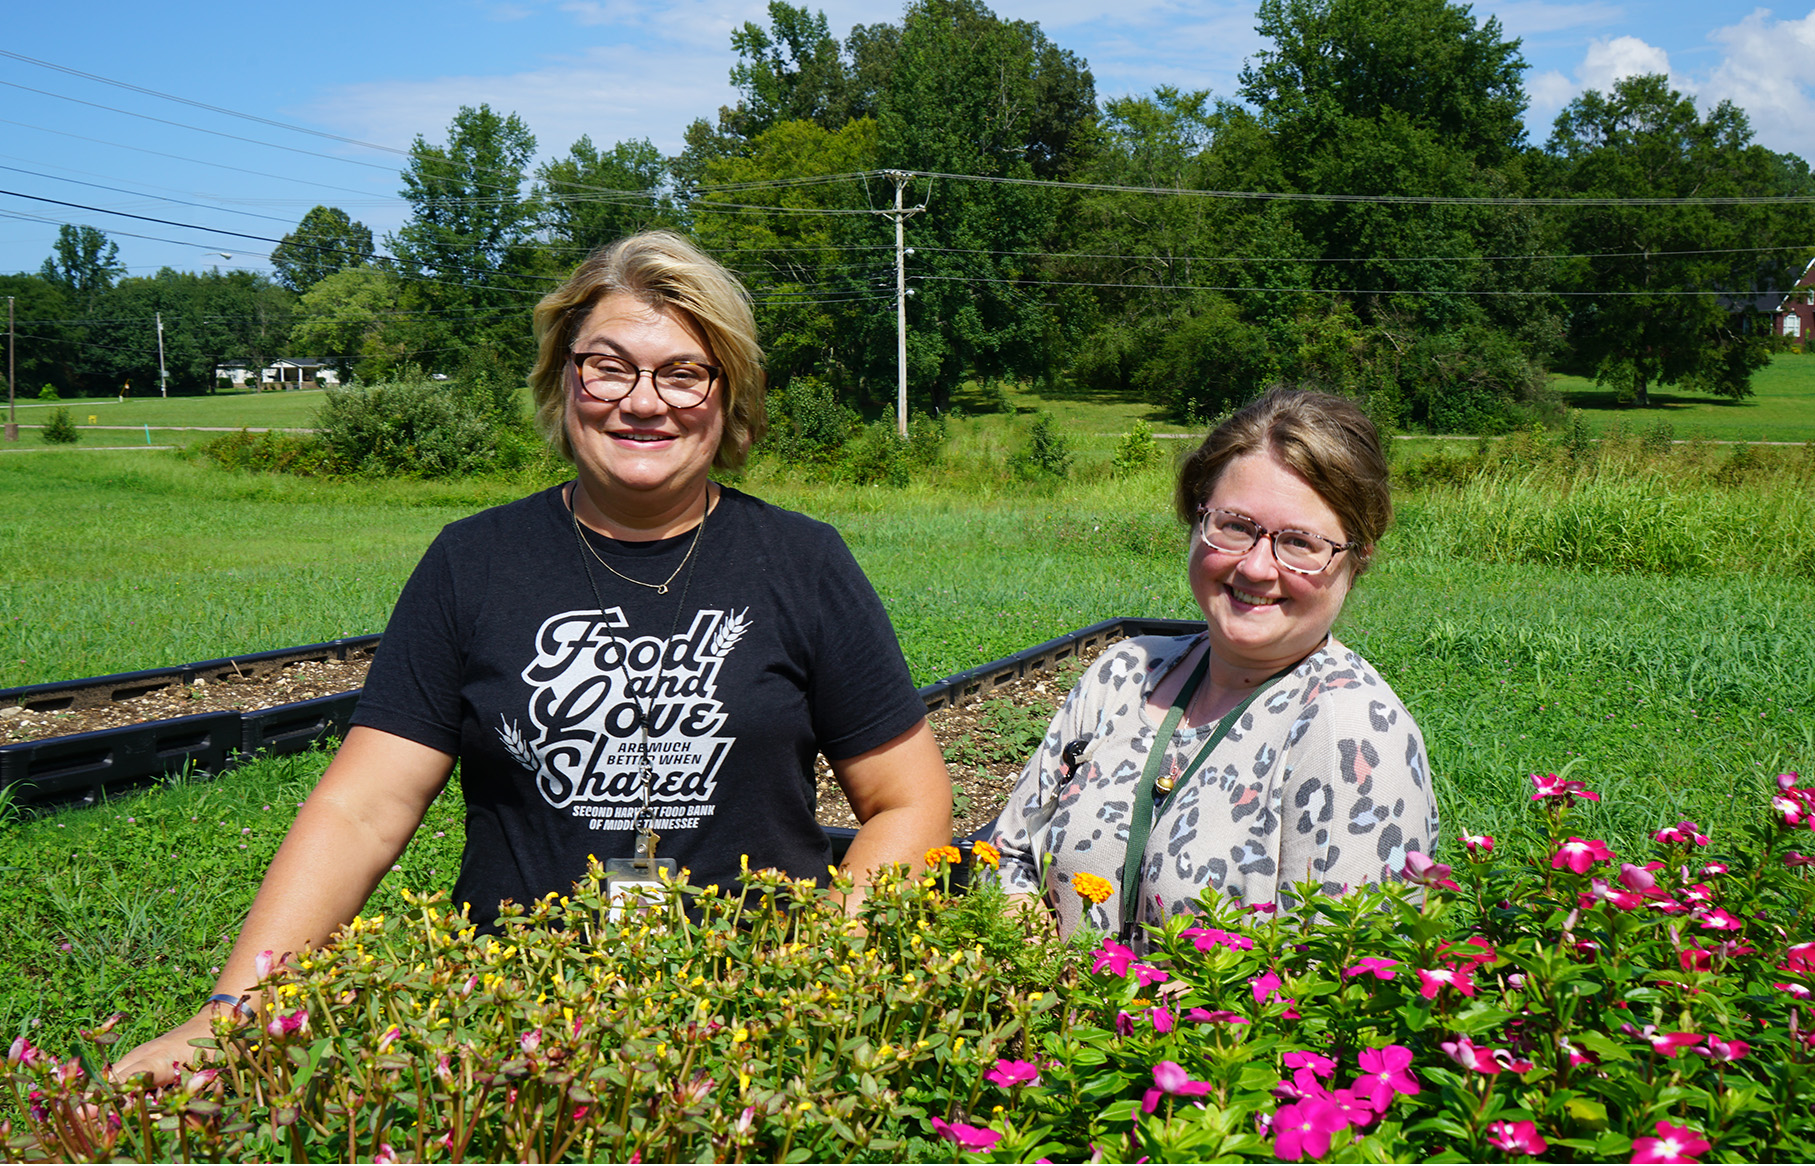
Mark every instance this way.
x=927 y=437
x=1134 y=451
x=270 y=452
x=877 y=456
x=47 y=393
x=1047 y=453
x=765 y=1026
x=60 y=429
x=807 y=423
x=423 y=429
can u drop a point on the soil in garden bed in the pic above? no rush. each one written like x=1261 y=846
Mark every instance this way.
x=986 y=742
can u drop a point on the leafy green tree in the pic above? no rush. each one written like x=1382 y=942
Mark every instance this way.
x=976 y=95
x=208 y=319
x=84 y=263
x=1660 y=316
x=468 y=256
x=343 y=319
x=812 y=292
x=326 y=241
x=43 y=351
x=594 y=196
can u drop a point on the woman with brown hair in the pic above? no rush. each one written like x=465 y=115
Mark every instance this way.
x=639 y=664
x=1259 y=752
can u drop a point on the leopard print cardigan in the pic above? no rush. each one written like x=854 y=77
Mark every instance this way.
x=1324 y=778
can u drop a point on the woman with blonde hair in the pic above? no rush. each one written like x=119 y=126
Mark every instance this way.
x=640 y=664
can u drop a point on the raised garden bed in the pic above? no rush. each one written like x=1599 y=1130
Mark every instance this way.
x=78 y=740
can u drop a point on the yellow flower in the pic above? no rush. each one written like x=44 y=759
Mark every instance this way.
x=1092 y=887
x=984 y=854
x=939 y=854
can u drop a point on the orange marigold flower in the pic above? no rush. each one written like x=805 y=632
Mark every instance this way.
x=1093 y=887
x=988 y=855
x=939 y=854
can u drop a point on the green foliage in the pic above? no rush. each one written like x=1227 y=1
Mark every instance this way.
x=60 y=429
x=272 y=451
x=877 y=456
x=47 y=393
x=1135 y=451
x=766 y=1026
x=927 y=438
x=426 y=429
x=1540 y=984
x=807 y=424
x=580 y=212
x=1047 y=453
x=325 y=242
x=342 y=318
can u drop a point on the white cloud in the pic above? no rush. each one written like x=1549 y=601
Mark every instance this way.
x=1764 y=70
x=1607 y=60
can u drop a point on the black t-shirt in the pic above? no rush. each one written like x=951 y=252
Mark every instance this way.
x=769 y=646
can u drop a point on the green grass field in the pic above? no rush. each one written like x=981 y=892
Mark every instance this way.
x=1782 y=407
x=231 y=410
x=1675 y=690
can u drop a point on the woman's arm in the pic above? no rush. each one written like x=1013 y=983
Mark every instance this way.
x=902 y=796
x=347 y=834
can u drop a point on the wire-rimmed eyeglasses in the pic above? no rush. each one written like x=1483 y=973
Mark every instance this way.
x=1298 y=551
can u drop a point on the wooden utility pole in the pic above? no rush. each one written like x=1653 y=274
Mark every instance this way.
x=900 y=214
x=12 y=420
x=163 y=376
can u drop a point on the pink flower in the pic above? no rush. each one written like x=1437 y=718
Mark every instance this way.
x=1724 y=1051
x=1720 y=919
x=1205 y=938
x=262 y=963
x=1797 y=858
x=1169 y=1077
x=1319 y=1065
x=1552 y=786
x=1009 y=1074
x=1578 y=855
x=1465 y=1053
x=1147 y=974
x=1714 y=868
x=23 y=1052
x=1695 y=959
x=1260 y=909
x=1792 y=805
x=1355 y=1106
x=1305 y=1128
x=1668 y=1044
x=530 y=1041
x=385 y=1155
x=1380 y=969
x=1421 y=870
x=1786 y=781
x=1799 y=958
x=1795 y=990
x=1162 y=1020
x=282 y=1025
x=1124 y=1024
x=1517 y=1137
x=1682 y=834
x=1220 y=1016
x=1264 y=986
x=389 y=1038
x=1112 y=957
x=1600 y=891
x=1484 y=843
x=1672 y=1144
x=1385 y=1075
x=974 y=1139
x=1637 y=878
x=1435 y=980
x=1698 y=894
x=1469 y=954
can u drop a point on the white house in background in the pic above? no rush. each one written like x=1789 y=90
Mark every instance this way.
x=288 y=373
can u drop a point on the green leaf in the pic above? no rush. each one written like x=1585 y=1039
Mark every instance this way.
x=1589 y=1113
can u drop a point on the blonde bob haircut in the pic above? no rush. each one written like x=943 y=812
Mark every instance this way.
x=1325 y=439
x=662 y=270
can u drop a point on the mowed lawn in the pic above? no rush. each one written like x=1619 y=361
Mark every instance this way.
x=1782 y=407
x=294 y=409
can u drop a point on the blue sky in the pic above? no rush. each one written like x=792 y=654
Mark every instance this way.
x=381 y=73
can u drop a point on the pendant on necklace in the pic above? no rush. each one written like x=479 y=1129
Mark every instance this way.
x=661 y=589
x=1166 y=781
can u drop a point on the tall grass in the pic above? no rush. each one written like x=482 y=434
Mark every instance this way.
x=1619 y=504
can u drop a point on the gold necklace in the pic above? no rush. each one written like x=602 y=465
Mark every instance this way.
x=659 y=588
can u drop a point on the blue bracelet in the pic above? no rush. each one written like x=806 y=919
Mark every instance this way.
x=238 y=1004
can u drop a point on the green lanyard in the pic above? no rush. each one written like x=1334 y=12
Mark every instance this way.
x=1141 y=824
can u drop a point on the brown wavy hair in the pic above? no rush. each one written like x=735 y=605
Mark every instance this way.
x=1326 y=439
x=662 y=270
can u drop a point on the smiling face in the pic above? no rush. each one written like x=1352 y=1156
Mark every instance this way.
x=642 y=462
x=1262 y=617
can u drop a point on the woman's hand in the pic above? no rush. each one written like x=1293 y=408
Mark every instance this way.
x=162 y=1055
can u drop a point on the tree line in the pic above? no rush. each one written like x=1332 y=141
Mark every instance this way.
x=1366 y=213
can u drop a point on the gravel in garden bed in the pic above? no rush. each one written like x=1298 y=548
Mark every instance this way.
x=985 y=742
